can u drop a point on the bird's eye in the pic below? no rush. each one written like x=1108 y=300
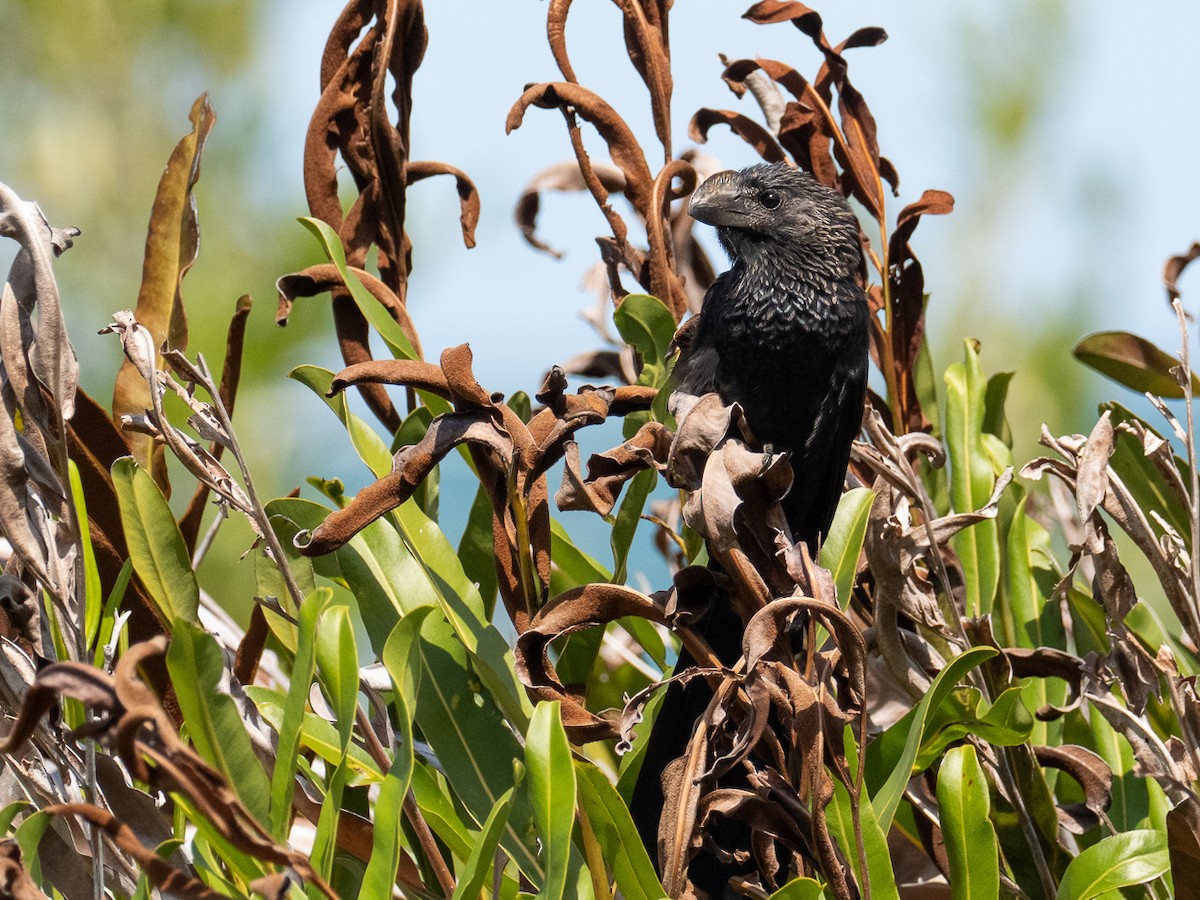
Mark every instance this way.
x=770 y=199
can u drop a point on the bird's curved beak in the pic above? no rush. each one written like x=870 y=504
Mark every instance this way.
x=719 y=201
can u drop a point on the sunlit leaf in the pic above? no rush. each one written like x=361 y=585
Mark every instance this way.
x=213 y=721
x=617 y=836
x=304 y=665
x=1119 y=860
x=550 y=782
x=970 y=839
x=841 y=549
x=155 y=545
x=972 y=479
x=1132 y=361
x=895 y=751
x=645 y=322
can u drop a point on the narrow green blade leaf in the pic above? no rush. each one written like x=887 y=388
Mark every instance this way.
x=93 y=592
x=380 y=876
x=799 y=889
x=629 y=514
x=479 y=865
x=156 y=547
x=839 y=815
x=839 y=553
x=381 y=320
x=214 y=724
x=304 y=664
x=971 y=846
x=972 y=478
x=550 y=782
x=337 y=668
x=617 y=836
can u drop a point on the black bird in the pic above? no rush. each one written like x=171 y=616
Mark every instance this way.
x=784 y=334
x=784 y=331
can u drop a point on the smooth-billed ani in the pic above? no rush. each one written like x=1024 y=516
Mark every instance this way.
x=784 y=334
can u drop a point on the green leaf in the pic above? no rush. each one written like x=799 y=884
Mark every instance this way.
x=473 y=743
x=646 y=323
x=156 y=547
x=477 y=553
x=337 y=668
x=381 y=320
x=479 y=864
x=799 y=889
x=437 y=806
x=380 y=876
x=1035 y=620
x=995 y=421
x=108 y=617
x=925 y=381
x=1006 y=723
x=971 y=846
x=1120 y=860
x=896 y=749
x=366 y=441
x=573 y=566
x=10 y=812
x=840 y=552
x=972 y=478
x=550 y=781
x=459 y=599
x=316 y=734
x=283 y=778
x=839 y=815
x=1134 y=362
x=616 y=834
x=93 y=591
x=29 y=836
x=1141 y=476
x=629 y=514
x=214 y=724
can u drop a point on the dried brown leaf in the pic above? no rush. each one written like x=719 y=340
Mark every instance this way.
x=410 y=466
x=468 y=196
x=1092 y=774
x=1183 y=846
x=563 y=177
x=15 y=882
x=162 y=874
x=623 y=147
x=747 y=129
x=1174 y=267
x=172 y=242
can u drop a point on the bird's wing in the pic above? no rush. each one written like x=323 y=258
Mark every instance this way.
x=820 y=469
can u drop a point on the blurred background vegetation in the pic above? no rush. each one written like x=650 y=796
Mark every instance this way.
x=1066 y=134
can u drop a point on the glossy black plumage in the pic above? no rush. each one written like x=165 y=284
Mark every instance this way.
x=784 y=334
x=784 y=331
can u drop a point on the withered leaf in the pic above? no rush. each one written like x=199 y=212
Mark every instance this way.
x=172 y=242
x=1174 y=267
x=468 y=196
x=1183 y=846
x=747 y=129
x=623 y=146
x=560 y=177
x=1093 y=775
x=14 y=879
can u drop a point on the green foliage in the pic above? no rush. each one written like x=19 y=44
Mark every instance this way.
x=444 y=718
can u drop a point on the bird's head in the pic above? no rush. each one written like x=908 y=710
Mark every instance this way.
x=777 y=208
